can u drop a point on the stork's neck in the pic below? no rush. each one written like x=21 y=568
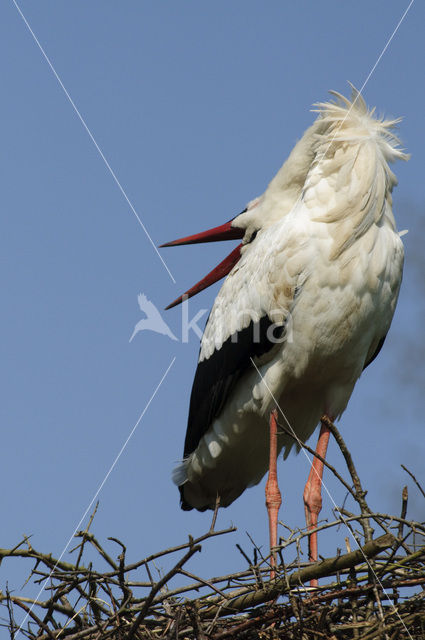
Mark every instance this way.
x=349 y=187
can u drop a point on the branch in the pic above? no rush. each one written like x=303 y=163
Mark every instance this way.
x=359 y=492
x=326 y=568
x=144 y=610
x=414 y=479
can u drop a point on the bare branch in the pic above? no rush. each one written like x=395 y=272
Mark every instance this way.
x=83 y=602
x=414 y=479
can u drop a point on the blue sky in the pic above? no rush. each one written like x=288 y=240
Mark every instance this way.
x=195 y=107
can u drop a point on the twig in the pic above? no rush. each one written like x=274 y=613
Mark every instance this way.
x=404 y=498
x=196 y=622
x=214 y=518
x=80 y=554
x=32 y=615
x=201 y=581
x=414 y=479
x=83 y=603
x=314 y=453
x=171 y=550
x=89 y=537
x=359 y=493
x=322 y=569
x=194 y=549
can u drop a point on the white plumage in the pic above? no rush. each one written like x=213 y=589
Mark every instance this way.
x=321 y=263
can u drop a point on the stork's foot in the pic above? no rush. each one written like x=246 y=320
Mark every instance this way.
x=313 y=495
x=273 y=495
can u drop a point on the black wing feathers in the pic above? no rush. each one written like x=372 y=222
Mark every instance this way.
x=216 y=377
x=377 y=350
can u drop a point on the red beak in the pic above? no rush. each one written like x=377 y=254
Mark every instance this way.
x=223 y=232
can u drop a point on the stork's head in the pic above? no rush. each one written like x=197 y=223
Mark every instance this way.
x=260 y=213
x=346 y=123
x=244 y=226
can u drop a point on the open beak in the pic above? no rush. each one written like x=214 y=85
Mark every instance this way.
x=223 y=232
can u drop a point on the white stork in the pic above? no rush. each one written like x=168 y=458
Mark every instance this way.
x=305 y=308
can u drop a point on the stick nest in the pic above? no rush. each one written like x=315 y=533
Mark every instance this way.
x=376 y=590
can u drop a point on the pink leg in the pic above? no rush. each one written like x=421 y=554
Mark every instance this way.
x=313 y=494
x=273 y=495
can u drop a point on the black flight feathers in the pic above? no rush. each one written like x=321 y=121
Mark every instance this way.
x=216 y=377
